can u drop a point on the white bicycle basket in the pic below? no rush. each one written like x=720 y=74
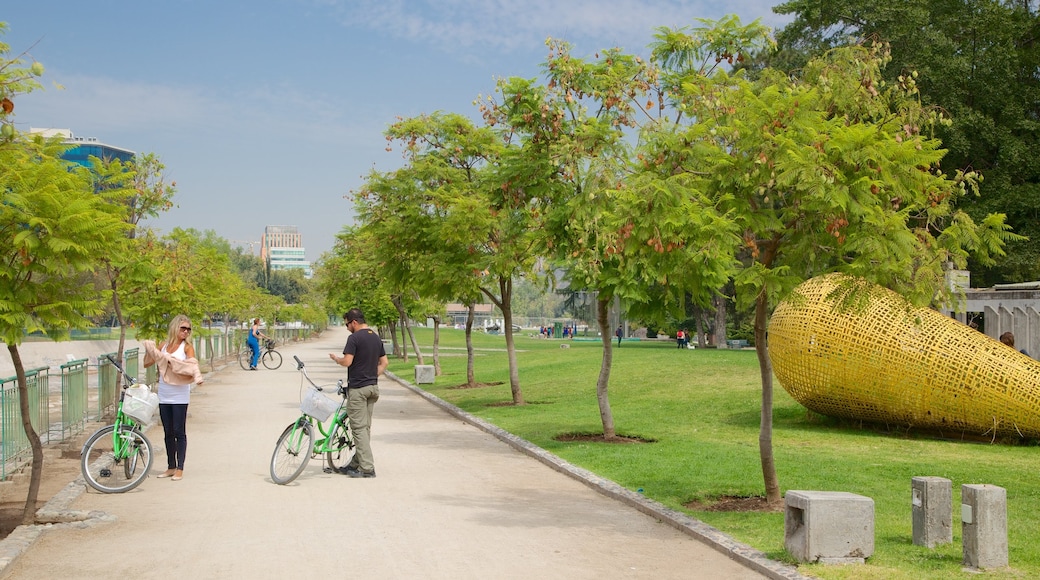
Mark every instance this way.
x=140 y=403
x=318 y=405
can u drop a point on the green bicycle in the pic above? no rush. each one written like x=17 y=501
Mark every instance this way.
x=117 y=457
x=270 y=357
x=297 y=444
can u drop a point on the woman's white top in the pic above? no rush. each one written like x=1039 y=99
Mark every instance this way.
x=174 y=394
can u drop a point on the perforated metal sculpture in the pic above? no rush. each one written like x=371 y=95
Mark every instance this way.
x=889 y=362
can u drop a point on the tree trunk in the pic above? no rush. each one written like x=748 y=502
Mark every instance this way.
x=36 y=473
x=505 y=304
x=471 y=378
x=719 y=301
x=698 y=316
x=436 y=343
x=603 y=382
x=765 y=435
x=506 y=288
x=407 y=329
x=403 y=325
x=396 y=349
x=117 y=308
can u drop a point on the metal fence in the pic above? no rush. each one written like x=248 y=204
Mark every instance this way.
x=14 y=444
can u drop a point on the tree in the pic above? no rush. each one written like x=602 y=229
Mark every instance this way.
x=460 y=194
x=830 y=171
x=52 y=228
x=975 y=60
x=349 y=277
x=136 y=190
x=577 y=129
x=425 y=214
x=193 y=277
x=55 y=230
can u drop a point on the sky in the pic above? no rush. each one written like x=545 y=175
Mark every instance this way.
x=272 y=112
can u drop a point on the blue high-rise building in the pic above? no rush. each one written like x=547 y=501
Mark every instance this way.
x=85 y=147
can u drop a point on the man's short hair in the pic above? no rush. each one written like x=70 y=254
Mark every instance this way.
x=354 y=315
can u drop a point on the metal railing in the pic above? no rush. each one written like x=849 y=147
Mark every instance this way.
x=14 y=444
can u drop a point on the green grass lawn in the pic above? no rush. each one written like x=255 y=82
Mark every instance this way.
x=700 y=409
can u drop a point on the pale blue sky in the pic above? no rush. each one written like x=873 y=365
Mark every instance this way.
x=270 y=112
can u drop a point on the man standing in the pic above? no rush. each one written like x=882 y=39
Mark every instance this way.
x=365 y=360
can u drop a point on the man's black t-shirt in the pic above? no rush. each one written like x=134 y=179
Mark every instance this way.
x=367 y=348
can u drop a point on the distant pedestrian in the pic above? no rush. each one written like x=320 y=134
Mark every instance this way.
x=619 y=333
x=1009 y=339
x=679 y=338
x=365 y=359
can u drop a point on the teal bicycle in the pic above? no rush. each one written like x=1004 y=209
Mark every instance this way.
x=117 y=457
x=297 y=444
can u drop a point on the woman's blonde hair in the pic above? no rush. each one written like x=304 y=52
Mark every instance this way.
x=175 y=324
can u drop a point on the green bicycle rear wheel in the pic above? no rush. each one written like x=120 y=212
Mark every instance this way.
x=340 y=445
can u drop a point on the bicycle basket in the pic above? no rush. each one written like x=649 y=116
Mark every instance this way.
x=140 y=403
x=318 y=405
x=269 y=344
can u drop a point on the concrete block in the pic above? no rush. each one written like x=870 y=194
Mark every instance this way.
x=984 y=526
x=931 y=506
x=424 y=374
x=830 y=527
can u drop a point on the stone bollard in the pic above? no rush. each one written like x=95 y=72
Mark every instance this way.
x=830 y=527
x=424 y=374
x=984 y=526
x=931 y=500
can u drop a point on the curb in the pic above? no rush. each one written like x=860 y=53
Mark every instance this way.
x=742 y=553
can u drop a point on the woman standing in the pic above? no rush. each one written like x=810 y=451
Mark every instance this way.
x=254 y=343
x=178 y=369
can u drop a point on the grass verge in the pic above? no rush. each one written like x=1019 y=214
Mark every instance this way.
x=700 y=411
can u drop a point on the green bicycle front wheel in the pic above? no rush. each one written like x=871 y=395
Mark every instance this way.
x=340 y=445
x=292 y=452
x=272 y=359
x=115 y=463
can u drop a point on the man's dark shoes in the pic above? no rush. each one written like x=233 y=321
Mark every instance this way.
x=355 y=472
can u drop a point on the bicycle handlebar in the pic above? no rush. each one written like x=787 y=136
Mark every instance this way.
x=303 y=371
x=127 y=379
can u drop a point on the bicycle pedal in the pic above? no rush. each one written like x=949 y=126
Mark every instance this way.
x=327 y=470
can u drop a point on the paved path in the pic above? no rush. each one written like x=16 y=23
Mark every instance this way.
x=451 y=500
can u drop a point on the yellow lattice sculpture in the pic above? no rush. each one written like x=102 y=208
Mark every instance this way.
x=895 y=364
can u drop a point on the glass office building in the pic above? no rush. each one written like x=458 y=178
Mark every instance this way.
x=85 y=147
x=281 y=248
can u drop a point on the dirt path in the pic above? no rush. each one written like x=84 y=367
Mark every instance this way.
x=450 y=501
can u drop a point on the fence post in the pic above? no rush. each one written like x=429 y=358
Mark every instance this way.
x=73 y=396
x=132 y=362
x=38 y=382
x=12 y=436
x=106 y=384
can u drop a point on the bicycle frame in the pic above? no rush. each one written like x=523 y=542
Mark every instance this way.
x=120 y=446
x=321 y=445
